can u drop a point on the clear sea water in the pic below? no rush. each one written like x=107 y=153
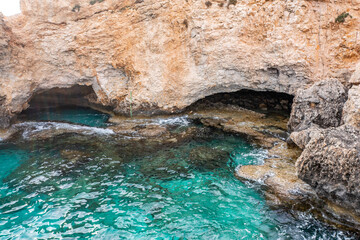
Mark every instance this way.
x=114 y=188
x=79 y=115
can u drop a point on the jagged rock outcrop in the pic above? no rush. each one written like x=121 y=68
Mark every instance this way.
x=164 y=55
x=330 y=164
x=330 y=161
x=321 y=105
x=5 y=71
x=302 y=138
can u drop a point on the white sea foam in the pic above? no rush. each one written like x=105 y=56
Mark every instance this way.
x=35 y=127
x=183 y=120
x=260 y=155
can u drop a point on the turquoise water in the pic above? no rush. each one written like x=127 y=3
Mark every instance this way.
x=79 y=115
x=107 y=187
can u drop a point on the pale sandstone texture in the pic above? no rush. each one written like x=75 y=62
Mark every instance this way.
x=351 y=111
x=161 y=56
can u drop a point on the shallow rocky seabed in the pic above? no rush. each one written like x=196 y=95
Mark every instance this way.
x=153 y=178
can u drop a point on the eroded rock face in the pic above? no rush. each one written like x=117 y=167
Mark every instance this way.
x=320 y=105
x=302 y=138
x=330 y=163
x=351 y=113
x=325 y=123
x=5 y=72
x=161 y=56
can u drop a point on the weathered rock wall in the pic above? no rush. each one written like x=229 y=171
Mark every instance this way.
x=168 y=54
x=330 y=164
x=326 y=125
x=5 y=71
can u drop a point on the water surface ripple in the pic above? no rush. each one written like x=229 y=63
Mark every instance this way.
x=99 y=187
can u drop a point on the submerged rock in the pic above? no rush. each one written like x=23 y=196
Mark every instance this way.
x=164 y=165
x=208 y=158
x=75 y=156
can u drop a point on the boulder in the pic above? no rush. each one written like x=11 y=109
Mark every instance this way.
x=302 y=138
x=321 y=104
x=5 y=121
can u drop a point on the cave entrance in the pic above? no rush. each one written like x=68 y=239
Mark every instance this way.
x=259 y=101
x=260 y=117
x=76 y=96
x=75 y=105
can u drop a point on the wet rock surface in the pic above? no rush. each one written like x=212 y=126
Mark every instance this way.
x=278 y=175
x=280 y=179
x=47 y=130
x=133 y=129
x=257 y=127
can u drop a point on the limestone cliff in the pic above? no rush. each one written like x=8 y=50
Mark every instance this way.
x=168 y=54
